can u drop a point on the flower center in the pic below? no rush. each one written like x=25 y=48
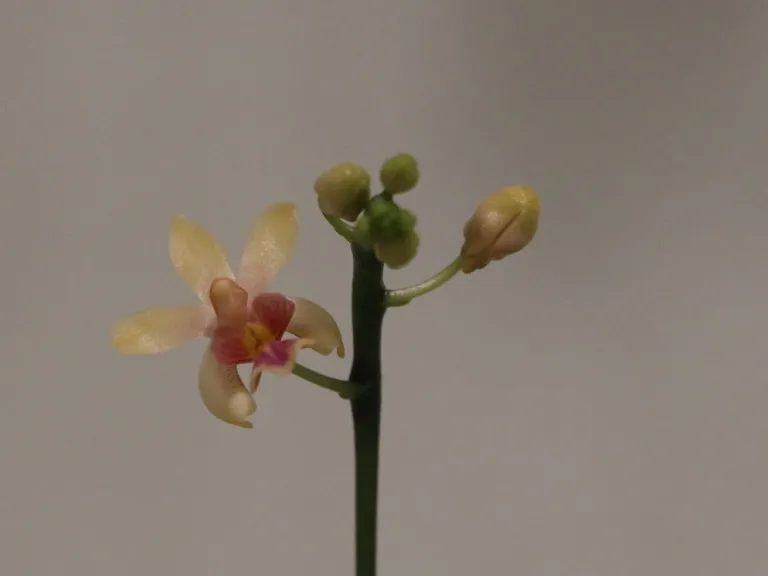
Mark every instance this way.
x=256 y=338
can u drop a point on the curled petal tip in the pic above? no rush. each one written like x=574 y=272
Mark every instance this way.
x=223 y=392
x=312 y=321
x=242 y=407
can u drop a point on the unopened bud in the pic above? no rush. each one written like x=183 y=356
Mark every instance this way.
x=398 y=253
x=343 y=190
x=504 y=223
x=399 y=173
x=388 y=221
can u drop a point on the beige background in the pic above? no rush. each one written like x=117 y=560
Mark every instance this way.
x=595 y=406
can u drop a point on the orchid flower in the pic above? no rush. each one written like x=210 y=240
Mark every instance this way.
x=244 y=322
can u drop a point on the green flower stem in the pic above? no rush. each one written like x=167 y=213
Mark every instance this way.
x=343 y=229
x=403 y=296
x=367 y=317
x=344 y=388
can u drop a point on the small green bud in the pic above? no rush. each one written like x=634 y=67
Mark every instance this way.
x=399 y=173
x=386 y=221
x=398 y=253
x=343 y=190
x=379 y=206
x=408 y=219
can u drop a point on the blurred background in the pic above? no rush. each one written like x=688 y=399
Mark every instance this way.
x=593 y=406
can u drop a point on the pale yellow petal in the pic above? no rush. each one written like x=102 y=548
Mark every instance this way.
x=197 y=256
x=160 y=329
x=270 y=245
x=224 y=393
x=312 y=321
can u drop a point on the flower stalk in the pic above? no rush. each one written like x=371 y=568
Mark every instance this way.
x=403 y=296
x=342 y=228
x=367 y=318
x=343 y=388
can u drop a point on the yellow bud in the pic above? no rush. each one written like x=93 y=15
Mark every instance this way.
x=398 y=253
x=343 y=190
x=504 y=223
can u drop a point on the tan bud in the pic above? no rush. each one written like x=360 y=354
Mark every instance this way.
x=398 y=253
x=504 y=223
x=343 y=190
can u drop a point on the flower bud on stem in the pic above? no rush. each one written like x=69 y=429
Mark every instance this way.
x=343 y=190
x=504 y=223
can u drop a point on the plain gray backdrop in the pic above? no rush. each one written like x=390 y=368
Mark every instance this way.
x=593 y=406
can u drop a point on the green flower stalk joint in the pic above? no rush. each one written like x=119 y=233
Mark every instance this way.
x=247 y=324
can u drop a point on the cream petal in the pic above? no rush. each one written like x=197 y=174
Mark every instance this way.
x=158 y=330
x=197 y=256
x=270 y=245
x=224 y=393
x=312 y=321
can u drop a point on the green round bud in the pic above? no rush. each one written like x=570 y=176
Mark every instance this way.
x=386 y=221
x=398 y=253
x=380 y=206
x=343 y=190
x=399 y=173
x=408 y=219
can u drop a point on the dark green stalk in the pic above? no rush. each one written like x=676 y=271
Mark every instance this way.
x=367 y=316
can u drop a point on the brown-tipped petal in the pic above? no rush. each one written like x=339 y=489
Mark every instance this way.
x=196 y=256
x=160 y=329
x=311 y=320
x=223 y=392
x=270 y=245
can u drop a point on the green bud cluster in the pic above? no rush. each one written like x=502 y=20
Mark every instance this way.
x=344 y=192
x=384 y=221
x=390 y=229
